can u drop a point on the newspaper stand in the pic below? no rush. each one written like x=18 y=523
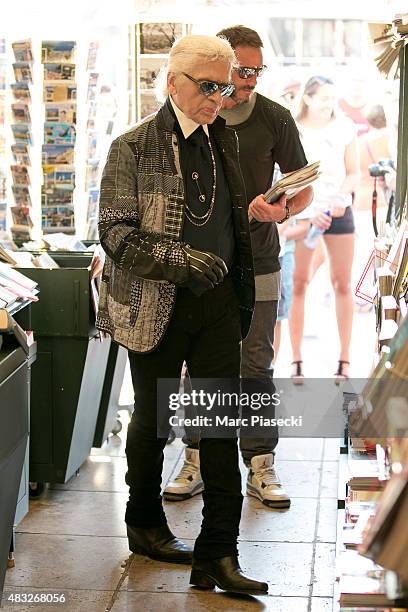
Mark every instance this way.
x=68 y=376
x=15 y=365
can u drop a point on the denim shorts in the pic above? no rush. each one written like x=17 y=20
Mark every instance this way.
x=287 y=262
x=342 y=225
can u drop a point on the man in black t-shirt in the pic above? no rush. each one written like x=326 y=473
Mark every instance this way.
x=267 y=136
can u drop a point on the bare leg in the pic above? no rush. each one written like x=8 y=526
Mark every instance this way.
x=341 y=251
x=301 y=279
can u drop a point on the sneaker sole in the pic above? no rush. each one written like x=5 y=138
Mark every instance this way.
x=182 y=496
x=282 y=503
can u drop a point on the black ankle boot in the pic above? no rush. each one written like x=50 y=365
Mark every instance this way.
x=158 y=543
x=226 y=574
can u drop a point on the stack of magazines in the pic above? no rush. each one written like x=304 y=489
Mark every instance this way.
x=294 y=182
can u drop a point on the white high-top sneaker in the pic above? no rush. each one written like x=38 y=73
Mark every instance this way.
x=188 y=481
x=263 y=482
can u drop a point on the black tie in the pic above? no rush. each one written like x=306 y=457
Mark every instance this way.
x=200 y=174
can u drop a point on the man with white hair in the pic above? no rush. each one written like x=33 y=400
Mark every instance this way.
x=178 y=286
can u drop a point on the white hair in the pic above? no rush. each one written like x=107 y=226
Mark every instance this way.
x=195 y=50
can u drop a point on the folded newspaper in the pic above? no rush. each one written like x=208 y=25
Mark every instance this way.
x=294 y=182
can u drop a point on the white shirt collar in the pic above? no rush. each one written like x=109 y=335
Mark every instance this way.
x=188 y=126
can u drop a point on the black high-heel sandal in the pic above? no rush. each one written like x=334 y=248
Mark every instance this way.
x=339 y=375
x=297 y=377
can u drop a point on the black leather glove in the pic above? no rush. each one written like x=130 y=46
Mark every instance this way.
x=206 y=270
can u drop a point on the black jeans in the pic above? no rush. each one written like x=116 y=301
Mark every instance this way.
x=256 y=363
x=205 y=333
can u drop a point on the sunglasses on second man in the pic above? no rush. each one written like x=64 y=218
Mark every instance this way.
x=208 y=88
x=245 y=72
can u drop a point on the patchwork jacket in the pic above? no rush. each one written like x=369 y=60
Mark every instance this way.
x=141 y=214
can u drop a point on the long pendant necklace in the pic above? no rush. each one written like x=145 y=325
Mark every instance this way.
x=200 y=220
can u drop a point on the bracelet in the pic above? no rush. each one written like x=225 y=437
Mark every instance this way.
x=287 y=216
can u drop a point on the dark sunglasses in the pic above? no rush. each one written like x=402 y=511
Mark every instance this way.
x=246 y=72
x=208 y=88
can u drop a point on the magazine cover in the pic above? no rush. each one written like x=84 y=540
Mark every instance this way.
x=21 y=154
x=59 y=133
x=59 y=72
x=92 y=53
x=60 y=112
x=21 y=113
x=59 y=93
x=53 y=155
x=22 y=72
x=23 y=50
x=20 y=175
x=58 y=51
x=58 y=219
x=22 y=133
x=21 y=216
x=21 y=195
x=158 y=37
x=58 y=178
x=21 y=92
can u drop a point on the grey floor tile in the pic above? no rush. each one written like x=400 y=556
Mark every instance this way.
x=300 y=478
x=66 y=562
x=299 y=449
x=98 y=473
x=327 y=521
x=330 y=479
x=199 y=601
x=286 y=568
x=258 y=523
x=77 y=513
x=76 y=601
x=331 y=449
x=323 y=570
x=321 y=604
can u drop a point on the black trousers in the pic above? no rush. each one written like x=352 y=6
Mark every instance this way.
x=205 y=333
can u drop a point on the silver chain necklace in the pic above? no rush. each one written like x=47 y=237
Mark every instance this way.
x=200 y=220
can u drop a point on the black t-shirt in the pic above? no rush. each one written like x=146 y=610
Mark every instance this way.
x=267 y=137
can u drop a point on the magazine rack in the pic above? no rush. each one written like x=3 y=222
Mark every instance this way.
x=15 y=366
x=68 y=376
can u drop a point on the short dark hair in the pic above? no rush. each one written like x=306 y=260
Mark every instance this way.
x=241 y=36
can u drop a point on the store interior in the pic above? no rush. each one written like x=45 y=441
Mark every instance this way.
x=69 y=85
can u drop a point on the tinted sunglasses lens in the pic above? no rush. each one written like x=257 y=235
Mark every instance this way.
x=246 y=73
x=208 y=88
x=227 y=90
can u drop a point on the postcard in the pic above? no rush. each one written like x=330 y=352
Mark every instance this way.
x=158 y=37
x=22 y=72
x=3 y=216
x=58 y=218
x=21 y=113
x=59 y=133
x=21 y=215
x=56 y=197
x=20 y=175
x=21 y=153
x=60 y=112
x=59 y=72
x=21 y=195
x=59 y=177
x=92 y=53
x=59 y=93
x=58 y=51
x=22 y=133
x=23 y=50
x=149 y=71
x=58 y=154
x=21 y=91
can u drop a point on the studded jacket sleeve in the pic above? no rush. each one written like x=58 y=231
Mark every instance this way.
x=149 y=255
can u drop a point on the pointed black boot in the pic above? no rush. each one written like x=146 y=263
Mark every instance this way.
x=226 y=574
x=158 y=543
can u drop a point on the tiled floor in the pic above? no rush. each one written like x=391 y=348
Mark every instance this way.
x=74 y=540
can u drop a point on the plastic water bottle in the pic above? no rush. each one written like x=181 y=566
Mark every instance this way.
x=312 y=236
